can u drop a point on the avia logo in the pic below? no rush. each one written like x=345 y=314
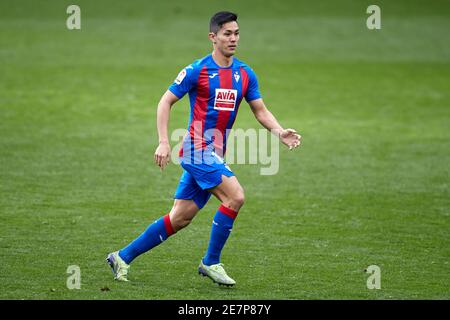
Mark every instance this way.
x=225 y=99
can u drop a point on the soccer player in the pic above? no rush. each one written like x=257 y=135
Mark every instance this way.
x=216 y=85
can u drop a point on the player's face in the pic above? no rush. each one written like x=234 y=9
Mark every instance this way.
x=227 y=38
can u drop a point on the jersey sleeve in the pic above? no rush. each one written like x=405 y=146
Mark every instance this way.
x=253 y=88
x=183 y=83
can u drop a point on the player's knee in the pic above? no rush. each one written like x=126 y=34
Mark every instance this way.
x=182 y=214
x=237 y=201
x=179 y=222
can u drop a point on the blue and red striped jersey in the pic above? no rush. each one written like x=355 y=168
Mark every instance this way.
x=215 y=94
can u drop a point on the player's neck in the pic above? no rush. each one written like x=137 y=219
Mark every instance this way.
x=221 y=60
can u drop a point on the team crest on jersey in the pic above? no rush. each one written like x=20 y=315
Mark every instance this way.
x=236 y=76
x=225 y=99
x=180 y=76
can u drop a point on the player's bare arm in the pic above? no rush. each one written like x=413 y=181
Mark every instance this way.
x=289 y=137
x=162 y=153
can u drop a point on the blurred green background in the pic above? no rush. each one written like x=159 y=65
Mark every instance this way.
x=370 y=185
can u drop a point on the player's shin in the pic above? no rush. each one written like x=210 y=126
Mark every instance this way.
x=155 y=234
x=221 y=229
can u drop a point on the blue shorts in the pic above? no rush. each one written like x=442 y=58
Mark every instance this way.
x=198 y=178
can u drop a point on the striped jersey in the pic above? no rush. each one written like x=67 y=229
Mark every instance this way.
x=215 y=94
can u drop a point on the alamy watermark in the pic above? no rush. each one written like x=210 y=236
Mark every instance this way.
x=374 y=280
x=373 y=22
x=73 y=22
x=238 y=146
x=74 y=278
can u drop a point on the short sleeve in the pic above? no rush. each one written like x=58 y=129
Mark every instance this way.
x=253 y=88
x=183 y=83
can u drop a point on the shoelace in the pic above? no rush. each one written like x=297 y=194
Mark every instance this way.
x=219 y=268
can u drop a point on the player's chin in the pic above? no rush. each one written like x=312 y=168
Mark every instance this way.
x=231 y=51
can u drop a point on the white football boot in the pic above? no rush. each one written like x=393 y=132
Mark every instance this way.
x=216 y=273
x=118 y=266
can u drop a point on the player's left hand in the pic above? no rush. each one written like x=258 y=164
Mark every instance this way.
x=291 y=138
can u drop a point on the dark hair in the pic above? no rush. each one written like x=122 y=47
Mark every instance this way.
x=219 y=19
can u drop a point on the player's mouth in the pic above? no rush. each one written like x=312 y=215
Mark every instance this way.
x=232 y=47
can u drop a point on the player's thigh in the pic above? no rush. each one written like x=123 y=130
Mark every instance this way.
x=229 y=190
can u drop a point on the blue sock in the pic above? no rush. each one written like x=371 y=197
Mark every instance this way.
x=155 y=234
x=221 y=229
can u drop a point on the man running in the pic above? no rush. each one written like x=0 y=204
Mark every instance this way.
x=216 y=85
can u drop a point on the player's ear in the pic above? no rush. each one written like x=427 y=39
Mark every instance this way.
x=212 y=37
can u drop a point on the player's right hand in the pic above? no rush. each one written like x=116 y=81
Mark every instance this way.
x=162 y=154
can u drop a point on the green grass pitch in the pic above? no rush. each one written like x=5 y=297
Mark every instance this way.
x=369 y=186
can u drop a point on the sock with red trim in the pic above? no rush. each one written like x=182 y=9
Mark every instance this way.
x=221 y=229
x=155 y=234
